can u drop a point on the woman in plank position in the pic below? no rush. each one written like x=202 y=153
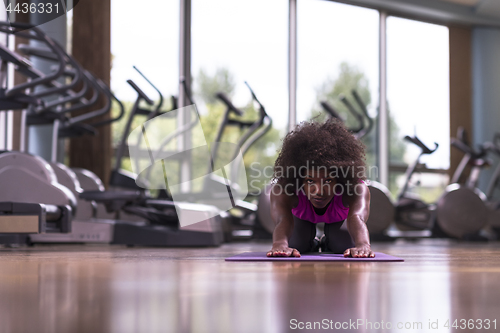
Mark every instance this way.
x=319 y=177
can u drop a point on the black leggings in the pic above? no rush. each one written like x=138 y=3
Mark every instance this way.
x=302 y=239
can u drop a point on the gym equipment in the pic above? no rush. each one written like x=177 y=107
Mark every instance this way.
x=261 y=256
x=144 y=233
x=51 y=203
x=408 y=212
x=19 y=220
x=120 y=178
x=247 y=220
x=32 y=199
x=99 y=230
x=360 y=130
x=65 y=127
x=411 y=212
x=241 y=221
x=155 y=221
x=160 y=225
x=52 y=112
x=461 y=210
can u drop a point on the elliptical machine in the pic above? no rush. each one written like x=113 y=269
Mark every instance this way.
x=160 y=223
x=412 y=216
x=243 y=221
x=411 y=212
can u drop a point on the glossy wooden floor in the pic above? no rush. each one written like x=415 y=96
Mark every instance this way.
x=116 y=289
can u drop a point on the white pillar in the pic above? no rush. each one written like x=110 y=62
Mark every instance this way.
x=383 y=117
x=185 y=141
x=292 y=64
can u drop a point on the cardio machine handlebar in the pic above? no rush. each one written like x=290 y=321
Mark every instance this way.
x=360 y=130
x=330 y=110
x=140 y=92
x=187 y=91
x=462 y=136
x=160 y=103
x=352 y=110
x=461 y=142
x=416 y=141
x=68 y=95
x=12 y=28
x=365 y=113
x=263 y=112
x=228 y=103
x=465 y=148
x=120 y=106
x=493 y=146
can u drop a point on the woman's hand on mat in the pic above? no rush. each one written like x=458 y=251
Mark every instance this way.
x=283 y=251
x=363 y=251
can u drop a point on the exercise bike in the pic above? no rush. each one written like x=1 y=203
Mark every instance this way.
x=461 y=211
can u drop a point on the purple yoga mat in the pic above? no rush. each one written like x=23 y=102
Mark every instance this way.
x=261 y=256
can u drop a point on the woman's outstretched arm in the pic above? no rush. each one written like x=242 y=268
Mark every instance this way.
x=359 y=211
x=281 y=213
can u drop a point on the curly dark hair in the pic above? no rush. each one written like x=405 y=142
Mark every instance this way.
x=329 y=145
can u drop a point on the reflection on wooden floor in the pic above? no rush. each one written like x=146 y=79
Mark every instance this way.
x=116 y=289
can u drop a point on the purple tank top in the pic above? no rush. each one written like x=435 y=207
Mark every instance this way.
x=336 y=212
